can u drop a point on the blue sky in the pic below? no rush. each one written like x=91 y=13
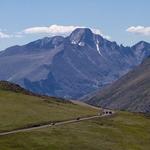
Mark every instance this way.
x=111 y=17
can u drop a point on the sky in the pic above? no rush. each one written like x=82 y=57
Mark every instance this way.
x=123 y=21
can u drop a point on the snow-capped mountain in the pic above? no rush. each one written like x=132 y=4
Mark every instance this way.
x=69 y=67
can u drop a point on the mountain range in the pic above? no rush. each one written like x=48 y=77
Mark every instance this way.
x=131 y=92
x=72 y=66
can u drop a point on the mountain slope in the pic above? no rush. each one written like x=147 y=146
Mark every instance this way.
x=19 y=109
x=8 y=86
x=131 y=92
x=69 y=67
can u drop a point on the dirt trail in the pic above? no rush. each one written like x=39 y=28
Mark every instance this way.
x=54 y=124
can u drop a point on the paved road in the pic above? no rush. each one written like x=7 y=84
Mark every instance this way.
x=56 y=124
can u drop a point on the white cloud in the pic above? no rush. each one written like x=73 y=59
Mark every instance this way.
x=53 y=30
x=98 y=31
x=58 y=30
x=139 y=30
x=4 y=35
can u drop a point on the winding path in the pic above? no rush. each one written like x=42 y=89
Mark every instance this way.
x=54 y=124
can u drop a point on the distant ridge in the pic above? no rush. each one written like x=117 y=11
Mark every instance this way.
x=131 y=92
x=9 y=86
x=6 y=85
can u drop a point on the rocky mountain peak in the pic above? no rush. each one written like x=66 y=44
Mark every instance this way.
x=140 y=45
x=141 y=50
x=46 y=42
x=82 y=36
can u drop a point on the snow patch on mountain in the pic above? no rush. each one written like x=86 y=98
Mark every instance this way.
x=97 y=47
x=81 y=44
x=73 y=42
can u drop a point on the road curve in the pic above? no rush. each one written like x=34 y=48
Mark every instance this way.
x=56 y=124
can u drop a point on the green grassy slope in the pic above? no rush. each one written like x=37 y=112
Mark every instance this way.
x=18 y=110
x=124 y=131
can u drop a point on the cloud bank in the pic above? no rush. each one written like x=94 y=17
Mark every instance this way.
x=4 y=35
x=139 y=30
x=58 y=30
x=51 y=30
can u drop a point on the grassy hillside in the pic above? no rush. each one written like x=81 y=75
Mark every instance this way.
x=124 y=131
x=131 y=92
x=8 y=86
x=18 y=109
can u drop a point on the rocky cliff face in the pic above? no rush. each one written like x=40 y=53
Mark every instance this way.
x=69 y=67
